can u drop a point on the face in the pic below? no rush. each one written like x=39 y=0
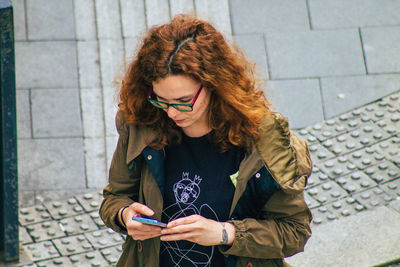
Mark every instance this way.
x=179 y=89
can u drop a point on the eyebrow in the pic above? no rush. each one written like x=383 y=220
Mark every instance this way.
x=175 y=99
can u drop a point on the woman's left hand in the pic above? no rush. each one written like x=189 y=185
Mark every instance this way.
x=200 y=230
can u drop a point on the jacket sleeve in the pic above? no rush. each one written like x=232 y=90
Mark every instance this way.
x=123 y=187
x=284 y=227
x=284 y=231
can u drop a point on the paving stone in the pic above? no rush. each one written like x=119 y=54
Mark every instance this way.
x=389 y=148
x=373 y=198
x=317 y=177
x=341 y=94
x=88 y=64
x=49 y=64
x=56 y=113
x=45 y=231
x=73 y=245
x=327 y=192
x=346 y=207
x=337 y=167
x=55 y=164
x=390 y=123
x=350 y=240
x=24 y=237
x=381 y=46
x=112 y=254
x=330 y=128
x=133 y=18
x=254 y=47
x=42 y=251
x=305 y=134
x=89 y=259
x=217 y=12
x=62 y=261
x=355 y=182
x=322 y=215
x=333 y=14
x=319 y=153
x=95 y=162
x=50 y=20
x=111 y=144
x=33 y=214
x=393 y=100
x=392 y=188
x=383 y=172
x=24 y=129
x=111 y=61
x=77 y=224
x=366 y=158
x=257 y=16
x=26 y=198
x=294 y=98
x=299 y=54
x=66 y=208
x=395 y=205
x=19 y=20
x=110 y=110
x=157 y=12
x=181 y=7
x=97 y=220
x=311 y=203
x=108 y=19
x=92 y=112
x=91 y=201
x=131 y=45
x=104 y=238
x=85 y=20
x=355 y=139
x=376 y=111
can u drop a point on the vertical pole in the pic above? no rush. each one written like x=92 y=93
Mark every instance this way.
x=9 y=244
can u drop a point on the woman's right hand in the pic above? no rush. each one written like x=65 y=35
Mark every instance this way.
x=138 y=230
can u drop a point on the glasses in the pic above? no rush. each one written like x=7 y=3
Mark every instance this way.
x=180 y=107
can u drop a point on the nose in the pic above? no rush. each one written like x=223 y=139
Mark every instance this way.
x=172 y=112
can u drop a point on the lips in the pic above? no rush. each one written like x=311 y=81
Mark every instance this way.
x=178 y=121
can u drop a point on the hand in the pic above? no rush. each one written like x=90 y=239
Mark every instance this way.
x=198 y=229
x=138 y=230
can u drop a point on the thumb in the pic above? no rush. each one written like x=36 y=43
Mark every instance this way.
x=139 y=209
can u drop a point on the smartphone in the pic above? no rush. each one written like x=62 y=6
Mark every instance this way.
x=149 y=221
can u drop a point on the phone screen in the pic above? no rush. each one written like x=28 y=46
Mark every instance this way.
x=149 y=221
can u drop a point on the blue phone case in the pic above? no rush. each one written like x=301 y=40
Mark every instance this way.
x=149 y=221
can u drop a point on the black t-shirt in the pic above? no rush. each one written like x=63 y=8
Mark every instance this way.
x=197 y=181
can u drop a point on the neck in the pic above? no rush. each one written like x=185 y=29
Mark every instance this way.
x=198 y=132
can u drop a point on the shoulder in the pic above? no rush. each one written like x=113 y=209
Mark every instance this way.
x=135 y=137
x=286 y=156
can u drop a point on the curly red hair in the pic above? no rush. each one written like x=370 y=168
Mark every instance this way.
x=193 y=47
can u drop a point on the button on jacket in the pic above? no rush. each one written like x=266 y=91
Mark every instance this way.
x=272 y=220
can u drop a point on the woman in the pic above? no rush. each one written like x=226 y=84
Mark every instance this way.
x=200 y=150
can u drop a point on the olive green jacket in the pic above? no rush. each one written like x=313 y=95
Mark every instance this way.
x=280 y=227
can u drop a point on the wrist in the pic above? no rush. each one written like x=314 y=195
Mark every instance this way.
x=121 y=216
x=227 y=234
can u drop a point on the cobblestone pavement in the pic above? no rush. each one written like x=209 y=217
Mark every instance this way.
x=356 y=159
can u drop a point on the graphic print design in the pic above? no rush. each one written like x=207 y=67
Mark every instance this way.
x=186 y=192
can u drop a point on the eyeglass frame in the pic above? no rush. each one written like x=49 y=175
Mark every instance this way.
x=174 y=105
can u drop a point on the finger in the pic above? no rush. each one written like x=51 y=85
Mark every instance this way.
x=141 y=236
x=142 y=227
x=175 y=237
x=184 y=228
x=139 y=208
x=184 y=220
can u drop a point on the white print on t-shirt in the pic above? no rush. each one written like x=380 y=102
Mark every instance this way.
x=186 y=191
